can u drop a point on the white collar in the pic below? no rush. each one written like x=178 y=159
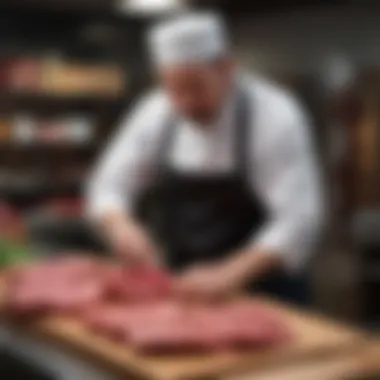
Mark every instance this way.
x=225 y=114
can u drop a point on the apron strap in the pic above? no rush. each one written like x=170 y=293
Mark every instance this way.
x=165 y=143
x=242 y=141
x=242 y=117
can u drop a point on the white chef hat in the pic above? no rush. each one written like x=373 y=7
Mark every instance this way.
x=188 y=38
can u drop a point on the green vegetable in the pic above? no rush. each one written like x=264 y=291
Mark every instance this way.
x=12 y=253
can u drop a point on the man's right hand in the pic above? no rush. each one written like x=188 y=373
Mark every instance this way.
x=129 y=241
x=133 y=245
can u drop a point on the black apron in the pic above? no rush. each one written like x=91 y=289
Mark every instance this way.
x=203 y=218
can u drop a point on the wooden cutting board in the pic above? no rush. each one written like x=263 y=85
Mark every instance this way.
x=368 y=363
x=359 y=364
x=314 y=337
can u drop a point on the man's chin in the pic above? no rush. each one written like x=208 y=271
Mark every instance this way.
x=201 y=120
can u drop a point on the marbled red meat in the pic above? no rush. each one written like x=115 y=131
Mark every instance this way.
x=138 y=285
x=172 y=327
x=138 y=307
x=72 y=283
x=57 y=285
x=108 y=320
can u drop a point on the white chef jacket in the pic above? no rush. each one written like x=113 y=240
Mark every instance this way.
x=284 y=174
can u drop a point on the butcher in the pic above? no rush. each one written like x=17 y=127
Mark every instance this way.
x=223 y=163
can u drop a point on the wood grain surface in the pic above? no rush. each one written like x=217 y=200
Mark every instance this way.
x=314 y=337
x=360 y=364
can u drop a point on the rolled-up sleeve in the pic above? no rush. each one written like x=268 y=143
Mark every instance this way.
x=289 y=182
x=123 y=168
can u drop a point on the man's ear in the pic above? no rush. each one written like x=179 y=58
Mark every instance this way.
x=225 y=64
x=229 y=65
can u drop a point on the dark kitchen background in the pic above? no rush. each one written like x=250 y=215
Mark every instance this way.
x=69 y=70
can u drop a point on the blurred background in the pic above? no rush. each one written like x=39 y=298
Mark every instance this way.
x=69 y=70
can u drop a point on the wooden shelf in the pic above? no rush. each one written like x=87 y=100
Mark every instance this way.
x=26 y=34
x=87 y=6
x=38 y=192
x=47 y=156
x=30 y=101
x=46 y=148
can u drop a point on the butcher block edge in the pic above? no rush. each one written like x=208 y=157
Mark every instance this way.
x=360 y=364
x=314 y=337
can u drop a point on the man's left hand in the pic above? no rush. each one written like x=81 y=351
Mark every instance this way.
x=208 y=282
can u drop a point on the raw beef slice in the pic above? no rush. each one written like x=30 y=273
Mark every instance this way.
x=172 y=334
x=58 y=285
x=117 y=320
x=138 y=285
x=108 y=320
x=253 y=325
x=195 y=328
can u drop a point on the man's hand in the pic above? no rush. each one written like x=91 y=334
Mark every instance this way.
x=208 y=282
x=129 y=241
x=134 y=246
x=226 y=278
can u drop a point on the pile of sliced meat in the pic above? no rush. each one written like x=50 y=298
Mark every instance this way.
x=55 y=286
x=138 y=308
x=168 y=327
x=67 y=285
x=136 y=286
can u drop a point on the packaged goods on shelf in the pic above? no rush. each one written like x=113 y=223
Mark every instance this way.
x=24 y=75
x=5 y=129
x=83 y=80
x=75 y=129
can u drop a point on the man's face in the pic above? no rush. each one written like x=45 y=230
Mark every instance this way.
x=197 y=91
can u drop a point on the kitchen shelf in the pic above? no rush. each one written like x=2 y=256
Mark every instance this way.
x=35 y=100
x=31 y=194
x=68 y=36
x=30 y=148
x=86 y=6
